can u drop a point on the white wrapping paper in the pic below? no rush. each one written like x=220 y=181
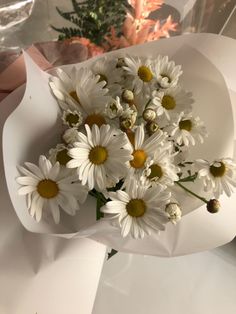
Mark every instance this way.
x=35 y=127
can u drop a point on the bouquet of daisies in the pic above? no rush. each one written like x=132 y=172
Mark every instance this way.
x=128 y=127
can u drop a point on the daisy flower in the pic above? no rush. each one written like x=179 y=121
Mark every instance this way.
x=47 y=188
x=218 y=176
x=72 y=118
x=144 y=148
x=109 y=73
x=186 y=130
x=79 y=87
x=140 y=75
x=100 y=156
x=172 y=100
x=166 y=72
x=160 y=169
x=139 y=210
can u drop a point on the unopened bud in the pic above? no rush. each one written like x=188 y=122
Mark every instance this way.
x=149 y=114
x=151 y=127
x=174 y=212
x=120 y=63
x=128 y=96
x=213 y=206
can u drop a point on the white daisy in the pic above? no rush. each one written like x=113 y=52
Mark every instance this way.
x=166 y=72
x=139 y=210
x=160 y=169
x=218 y=176
x=78 y=88
x=108 y=72
x=140 y=76
x=100 y=155
x=47 y=188
x=72 y=118
x=172 y=100
x=144 y=148
x=186 y=129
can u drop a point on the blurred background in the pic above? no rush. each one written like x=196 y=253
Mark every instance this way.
x=26 y=21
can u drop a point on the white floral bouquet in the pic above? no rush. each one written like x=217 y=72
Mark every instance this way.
x=126 y=127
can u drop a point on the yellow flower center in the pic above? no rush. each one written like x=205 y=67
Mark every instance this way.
x=47 y=188
x=98 y=155
x=186 y=125
x=145 y=74
x=103 y=78
x=168 y=102
x=74 y=95
x=218 y=169
x=139 y=159
x=95 y=118
x=136 y=207
x=156 y=172
x=72 y=119
x=63 y=157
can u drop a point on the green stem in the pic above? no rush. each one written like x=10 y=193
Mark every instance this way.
x=191 y=192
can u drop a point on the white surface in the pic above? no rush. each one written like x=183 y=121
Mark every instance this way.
x=202 y=283
x=39 y=273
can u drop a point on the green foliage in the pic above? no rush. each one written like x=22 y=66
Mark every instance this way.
x=93 y=19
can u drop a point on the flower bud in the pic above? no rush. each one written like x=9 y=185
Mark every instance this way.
x=213 y=206
x=149 y=114
x=120 y=63
x=151 y=127
x=174 y=212
x=70 y=136
x=128 y=96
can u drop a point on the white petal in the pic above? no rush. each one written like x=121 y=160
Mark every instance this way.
x=39 y=208
x=26 y=189
x=35 y=169
x=126 y=225
x=139 y=137
x=27 y=181
x=54 y=172
x=54 y=210
x=113 y=207
x=45 y=166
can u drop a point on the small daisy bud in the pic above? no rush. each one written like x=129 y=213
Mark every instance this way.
x=120 y=63
x=70 y=136
x=72 y=118
x=149 y=114
x=213 y=206
x=174 y=212
x=151 y=127
x=113 y=108
x=126 y=123
x=128 y=96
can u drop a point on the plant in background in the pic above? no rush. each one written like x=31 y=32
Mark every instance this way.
x=104 y=25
